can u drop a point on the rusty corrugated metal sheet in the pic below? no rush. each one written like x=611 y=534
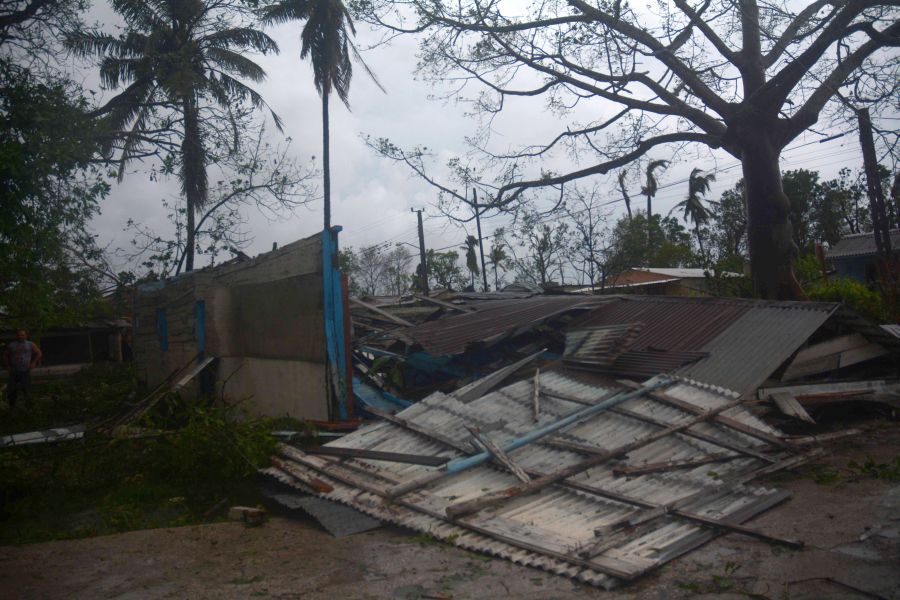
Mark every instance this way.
x=559 y=520
x=671 y=323
x=599 y=346
x=492 y=321
x=745 y=340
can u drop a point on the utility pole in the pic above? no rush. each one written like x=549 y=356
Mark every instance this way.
x=480 y=242
x=424 y=274
x=876 y=193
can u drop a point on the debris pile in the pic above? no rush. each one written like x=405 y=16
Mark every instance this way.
x=604 y=483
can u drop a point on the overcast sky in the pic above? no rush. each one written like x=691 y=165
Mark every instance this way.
x=372 y=197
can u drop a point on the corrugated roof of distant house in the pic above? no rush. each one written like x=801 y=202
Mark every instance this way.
x=684 y=273
x=860 y=244
x=492 y=321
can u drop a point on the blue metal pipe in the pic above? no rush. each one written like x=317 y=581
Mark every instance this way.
x=463 y=464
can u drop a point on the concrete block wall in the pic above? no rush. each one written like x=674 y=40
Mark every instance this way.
x=264 y=321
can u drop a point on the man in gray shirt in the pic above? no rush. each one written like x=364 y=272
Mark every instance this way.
x=19 y=358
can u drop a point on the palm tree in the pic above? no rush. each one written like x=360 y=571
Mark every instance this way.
x=649 y=189
x=325 y=39
x=496 y=256
x=625 y=195
x=694 y=210
x=471 y=256
x=174 y=57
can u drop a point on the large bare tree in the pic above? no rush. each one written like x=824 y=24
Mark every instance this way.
x=746 y=76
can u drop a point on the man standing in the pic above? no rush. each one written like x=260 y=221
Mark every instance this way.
x=20 y=357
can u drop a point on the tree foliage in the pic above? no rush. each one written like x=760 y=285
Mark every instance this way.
x=50 y=189
x=746 y=77
x=180 y=66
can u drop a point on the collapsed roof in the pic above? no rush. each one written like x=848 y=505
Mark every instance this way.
x=728 y=342
x=598 y=483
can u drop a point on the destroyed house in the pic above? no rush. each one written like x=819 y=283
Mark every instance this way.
x=269 y=331
x=563 y=471
x=734 y=343
x=560 y=460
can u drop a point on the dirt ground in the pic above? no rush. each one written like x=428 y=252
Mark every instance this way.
x=849 y=518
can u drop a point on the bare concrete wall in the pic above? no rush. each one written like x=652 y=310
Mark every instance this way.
x=264 y=315
x=275 y=387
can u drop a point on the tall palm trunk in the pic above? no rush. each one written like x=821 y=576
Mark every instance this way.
x=700 y=243
x=326 y=161
x=193 y=175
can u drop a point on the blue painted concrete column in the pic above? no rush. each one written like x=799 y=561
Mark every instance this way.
x=334 y=321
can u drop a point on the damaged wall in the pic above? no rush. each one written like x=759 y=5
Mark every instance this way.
x=263 y=318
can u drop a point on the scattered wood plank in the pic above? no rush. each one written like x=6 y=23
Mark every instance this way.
x=677 y=507
x=812 y=389
x=825 y=437
x=397 y=457
x=536 y=398
x=499 y=455
x=435 y=301
x=481 y=387
x=392 y=318
x=718 y=418
x=310 y=482
x=672 y=465
x=198 y=368
x=787 y=404
x=835 y=353
x=460 y=509
x=728 y=445
x=422 y=430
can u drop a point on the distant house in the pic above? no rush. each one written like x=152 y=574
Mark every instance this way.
x=67 y=350
x=662 y=281
x=854 y=256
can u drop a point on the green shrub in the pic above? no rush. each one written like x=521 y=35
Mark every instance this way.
x=193 y=457
x=856 y=296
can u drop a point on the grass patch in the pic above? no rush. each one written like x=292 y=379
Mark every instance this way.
x=98 y=485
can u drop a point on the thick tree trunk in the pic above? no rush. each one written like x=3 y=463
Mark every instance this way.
x=326 y=162
x=772 y=249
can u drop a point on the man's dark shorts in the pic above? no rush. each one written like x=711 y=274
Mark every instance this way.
x=19 y=381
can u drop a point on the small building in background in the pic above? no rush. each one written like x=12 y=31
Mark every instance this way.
x=855 y=256
x=67 y=350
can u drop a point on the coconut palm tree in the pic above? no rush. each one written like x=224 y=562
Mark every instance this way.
x=471 y=257
x=692 y=206
x=325 y=39
x=496 y=257
x=174 y=58
x=649 y=189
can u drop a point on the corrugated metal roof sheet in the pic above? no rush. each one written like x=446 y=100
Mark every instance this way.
x=491 y=322
x=547 y=530
x=755 y=345
x=670 y=323
x=860 y=244
x=746 y=340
